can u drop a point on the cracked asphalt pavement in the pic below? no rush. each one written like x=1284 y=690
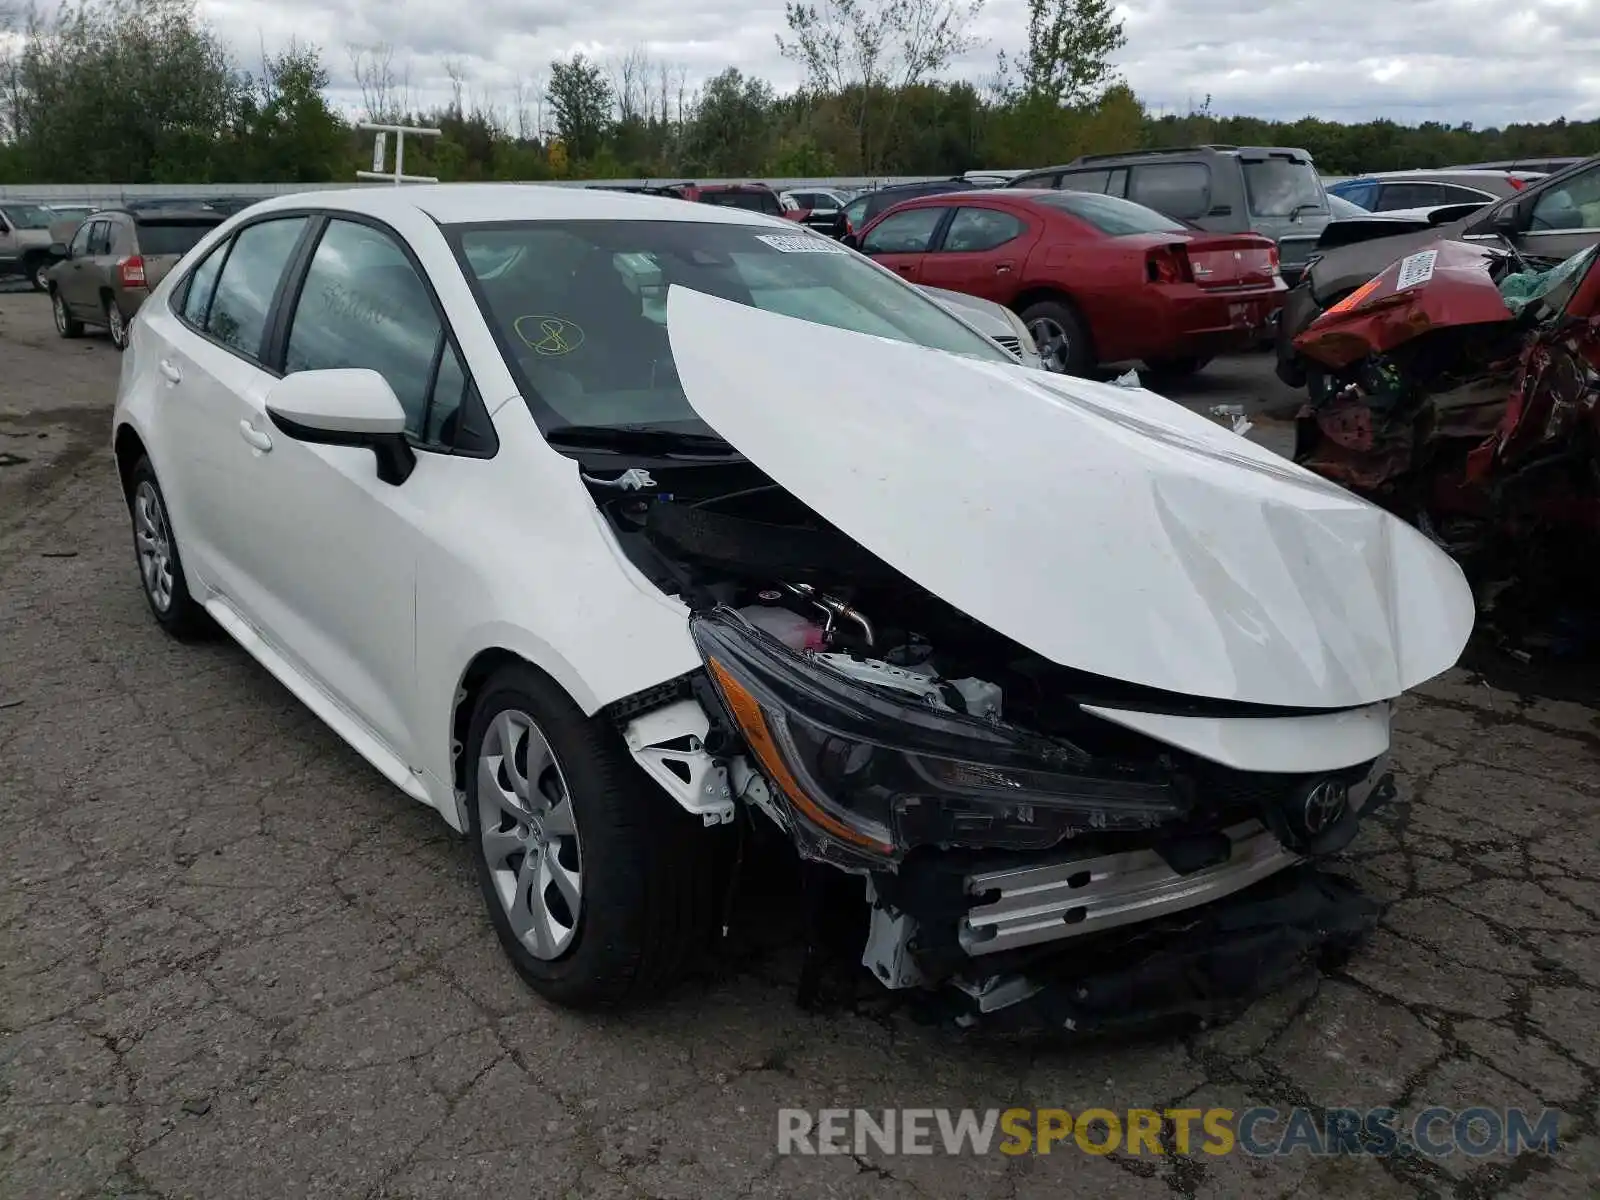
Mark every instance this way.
x=235 y=962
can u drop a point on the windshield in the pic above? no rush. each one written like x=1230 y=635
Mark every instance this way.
x=29 y=216
x=1112 y=214
x=173 y=238
x=580 y=307
x=1280 y=187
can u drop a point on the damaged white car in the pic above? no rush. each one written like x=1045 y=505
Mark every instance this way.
x=604 y=523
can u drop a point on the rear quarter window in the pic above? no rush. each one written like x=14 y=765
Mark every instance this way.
x=172 y=239
x=1181 y=189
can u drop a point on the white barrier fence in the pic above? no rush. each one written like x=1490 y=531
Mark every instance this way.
x=119 y=193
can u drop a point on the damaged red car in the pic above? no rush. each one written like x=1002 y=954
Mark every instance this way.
x=1461 y=394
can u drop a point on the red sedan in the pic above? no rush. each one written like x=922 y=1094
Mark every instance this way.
x=1097 y=279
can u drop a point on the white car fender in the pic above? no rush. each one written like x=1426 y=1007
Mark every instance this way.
x=604 y=632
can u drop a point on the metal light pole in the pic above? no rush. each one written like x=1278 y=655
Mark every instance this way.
x=380 y=155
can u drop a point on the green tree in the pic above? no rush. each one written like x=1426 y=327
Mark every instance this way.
x=580 y=101
x=868 y=52
x=290 y=132
x=128 y=90
x=1068 y=56
x=730 y=131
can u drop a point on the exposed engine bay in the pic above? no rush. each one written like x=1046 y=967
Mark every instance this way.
x=958 y=774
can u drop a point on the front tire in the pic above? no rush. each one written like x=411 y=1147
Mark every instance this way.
x=166 y=590
x=600 y=888
x=38 y=272
x=67 y=325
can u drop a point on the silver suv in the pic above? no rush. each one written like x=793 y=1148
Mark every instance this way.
x=25 y=242
x=1270 y=190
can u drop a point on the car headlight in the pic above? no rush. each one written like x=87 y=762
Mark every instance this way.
x=868 y=773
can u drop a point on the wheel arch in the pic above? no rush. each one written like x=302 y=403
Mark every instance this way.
x=1048 y=292
x=502 y=648
x=129 y=448
x=651 y=722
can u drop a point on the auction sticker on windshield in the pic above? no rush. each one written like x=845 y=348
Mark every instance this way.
x=791 y=243
x=1416 y=269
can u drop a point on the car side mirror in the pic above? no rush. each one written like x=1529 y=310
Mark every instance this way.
x=1507 y=220
x=59 y=250
x=852 y=241
x=345 y=406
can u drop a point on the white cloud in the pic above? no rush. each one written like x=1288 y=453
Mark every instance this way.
x=1486 y=61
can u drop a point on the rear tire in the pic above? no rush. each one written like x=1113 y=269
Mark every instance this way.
x=155 y=549
x=600 y=888
x=116 y=324
x=1061 y=337
x=67 y=325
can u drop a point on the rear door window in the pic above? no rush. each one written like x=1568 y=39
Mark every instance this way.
x=100 y=239
x=1180 y=189
x=1455 y=193
x=1393 y=196
x=975 y=229
x=238 y=316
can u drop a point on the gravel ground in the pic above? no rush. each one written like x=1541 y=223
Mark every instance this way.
x=235 y=962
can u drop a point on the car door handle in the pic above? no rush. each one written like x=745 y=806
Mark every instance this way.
x=255 y=437
x=1002 y=268
x=171 y=372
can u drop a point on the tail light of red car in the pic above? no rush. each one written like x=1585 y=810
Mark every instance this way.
x=1516 y=184
x=131 y=271
x=1168 y=264
x=1273 y=261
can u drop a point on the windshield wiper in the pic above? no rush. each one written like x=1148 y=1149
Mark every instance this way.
x=638 y=439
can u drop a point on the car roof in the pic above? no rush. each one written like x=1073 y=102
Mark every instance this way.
x=1090 y=161
x=1446 y=174
x=465 y=203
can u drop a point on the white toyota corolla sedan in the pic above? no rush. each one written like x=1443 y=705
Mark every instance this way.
x=599 y=522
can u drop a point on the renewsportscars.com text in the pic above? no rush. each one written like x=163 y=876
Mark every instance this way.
x=1263 y=1132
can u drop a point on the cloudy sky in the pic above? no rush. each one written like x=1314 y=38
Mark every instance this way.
x=1485 y=61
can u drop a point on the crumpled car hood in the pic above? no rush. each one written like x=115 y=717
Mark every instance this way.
x=1104 y=528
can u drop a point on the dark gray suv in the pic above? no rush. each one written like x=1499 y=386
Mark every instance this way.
x=1270 y=190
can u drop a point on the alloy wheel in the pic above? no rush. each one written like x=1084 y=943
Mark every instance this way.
x=41 y=277
x=1055 y=346
x=153 y=540
x=115 y=323
x=529 y=835
x=60 y=308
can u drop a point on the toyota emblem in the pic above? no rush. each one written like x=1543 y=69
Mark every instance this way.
x=1323 y=806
